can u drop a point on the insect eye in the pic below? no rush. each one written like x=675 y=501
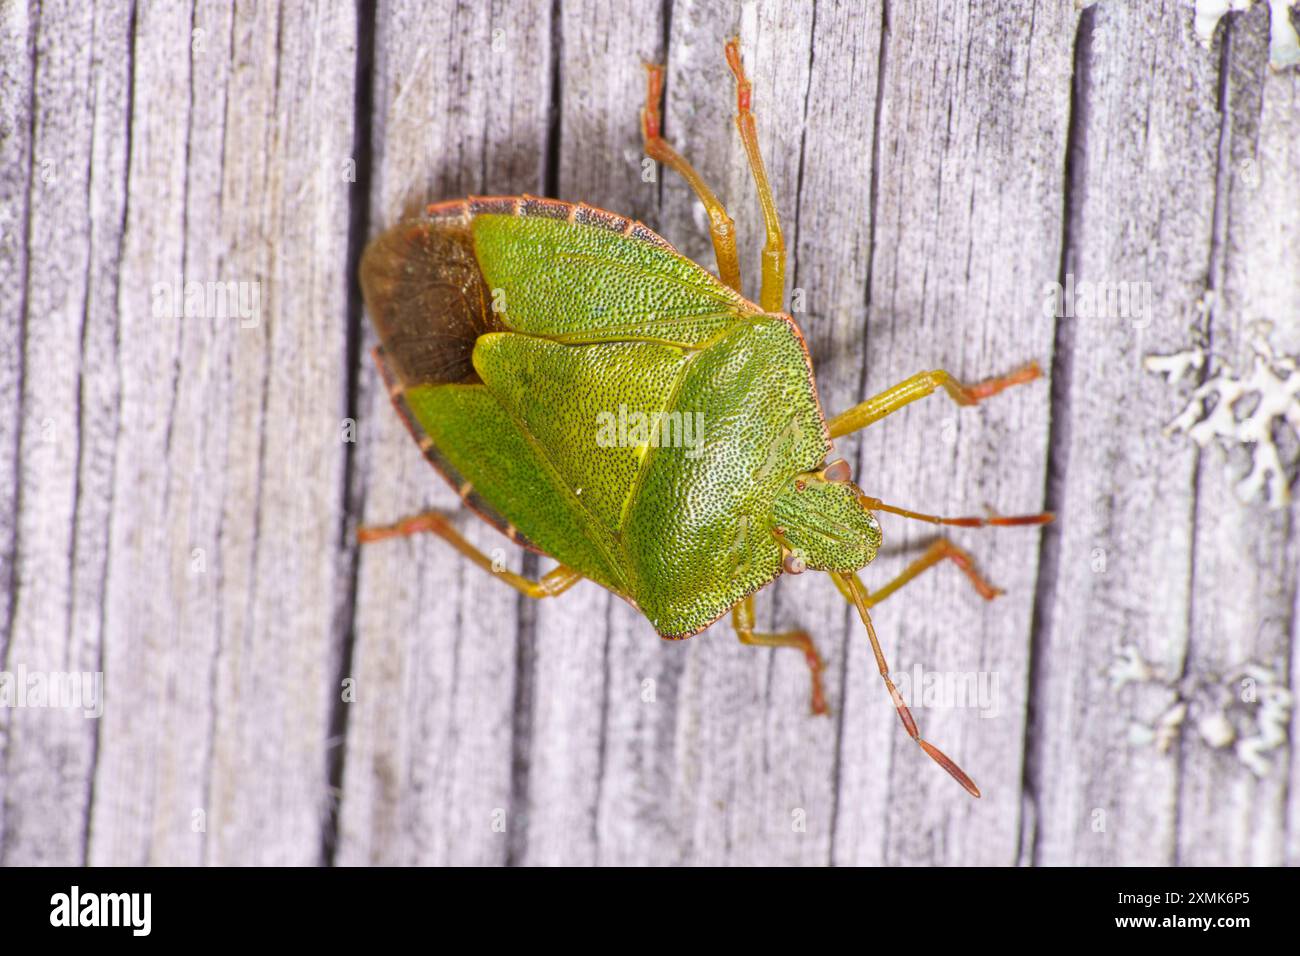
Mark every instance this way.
x=800 y=485
x=794 y=564
x=838 y=470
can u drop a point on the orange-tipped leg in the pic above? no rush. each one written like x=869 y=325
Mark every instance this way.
x=742 y=619
x=554 y=582
x=970 y=394
x=941 y=550
x=921 y=385
x=772 y=295
x=851 y=586
x=722 y=229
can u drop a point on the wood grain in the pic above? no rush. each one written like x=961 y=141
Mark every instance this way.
x=179 y=494
x=1155 y=552
x=440 y=647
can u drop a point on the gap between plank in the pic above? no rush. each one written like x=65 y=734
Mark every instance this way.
x=1058 y=442
x=1214 y=274
x=353 y=487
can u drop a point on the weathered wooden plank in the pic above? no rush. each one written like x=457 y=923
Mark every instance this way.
x=1120 y=565
x=1244 y=579
x=17 y=55
x=973 y=122
x=461 y=98
x=75 y=201
x=178 y=498
x=153 y=769
x=224 y=564
x=17 y=38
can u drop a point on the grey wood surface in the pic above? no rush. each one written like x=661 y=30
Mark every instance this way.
x=179 y=494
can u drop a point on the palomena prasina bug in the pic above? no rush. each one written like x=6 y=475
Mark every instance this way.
x=513 y=330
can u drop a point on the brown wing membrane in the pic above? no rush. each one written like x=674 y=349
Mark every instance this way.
x=426 y=293
x=427 y=297
x=429 y=303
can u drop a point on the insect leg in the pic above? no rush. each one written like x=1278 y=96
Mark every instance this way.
x=773 y=292
x=742 y=619
x=722 y=229
x=850 y=584
x=554 y=582
x=919 y=386
x=941 y=550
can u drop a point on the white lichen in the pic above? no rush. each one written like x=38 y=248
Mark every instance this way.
x=1140 y=735
x=1273 y=702
x=1241 y=408
x=1129 y=667
x=1217 y=730
x=1284 y=44
x=1176 y=366
x=1248 y=709
x=1210 y=12
x=1169 y=726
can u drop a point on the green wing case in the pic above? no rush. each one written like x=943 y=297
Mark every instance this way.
x=580 y=318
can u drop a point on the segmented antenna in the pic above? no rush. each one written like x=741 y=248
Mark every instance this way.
x=854 y=587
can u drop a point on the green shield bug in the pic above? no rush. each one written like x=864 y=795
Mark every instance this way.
x=608 y=403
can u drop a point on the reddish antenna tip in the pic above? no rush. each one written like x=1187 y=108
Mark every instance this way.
x=1046 y=517
x=943 y=761
x=854 y=590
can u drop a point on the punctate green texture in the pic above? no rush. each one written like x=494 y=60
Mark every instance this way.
x=571 y=317
x=521 y=336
